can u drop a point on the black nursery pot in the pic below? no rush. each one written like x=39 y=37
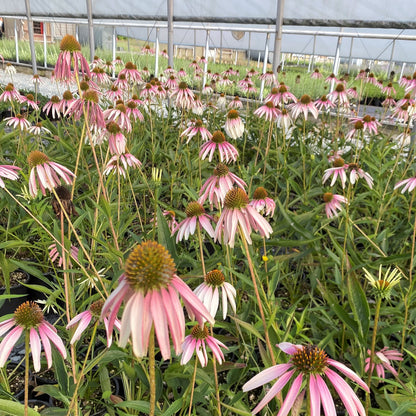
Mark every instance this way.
x=9 y=305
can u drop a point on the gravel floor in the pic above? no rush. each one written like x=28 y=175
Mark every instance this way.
x=25 y=81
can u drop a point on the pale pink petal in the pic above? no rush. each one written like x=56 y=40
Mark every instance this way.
x=35 y=348
x=349 y=373
x=315 y=398
x=326 y=398
x=266 y=376
x=291 y=396
x=9 y=341
x=161 y=325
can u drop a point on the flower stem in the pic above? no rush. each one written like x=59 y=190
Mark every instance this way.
x=193 y=387
x=256 y=290
x=152 y=372
x=201 y=250
x=27 y=348
x=373 y=347
x=217 y=390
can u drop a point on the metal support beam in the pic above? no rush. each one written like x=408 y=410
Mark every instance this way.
x=249 y=48
x=157 y=53
x=16 y=41
x=312 y=59
x=350 y=56
x=31 y=37
x=114 y=46
x=206 y=60
x=170 y=32
x=266 y=55
x=220 y=46
x=194 y=44
x=335 y=68
x=90 y=30
x=45 y=50
x=278 y=35
x=391 y=57
x=402 y=71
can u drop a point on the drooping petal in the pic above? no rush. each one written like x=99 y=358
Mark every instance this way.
x=291 y=396
x=326 y=398
x=161 y=325
x=266 y=376
x=349 y=373
x=36 y=348
x=314 y=397
x=8 y=343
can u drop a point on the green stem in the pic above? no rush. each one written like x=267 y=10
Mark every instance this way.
x=201 y=250
x=193 y=387
x=27 y=348
x=373 y=347
x=152 y=372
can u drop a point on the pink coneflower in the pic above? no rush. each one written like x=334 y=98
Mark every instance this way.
x=131 y=73
x=160 y=91
x=118 y=61
x=38 y=129
x=10 y=94
x=150 y=289
x=284 y=121
x=262 y=203
x=406 y=100
x=369 y=123
x=121 y=162
x=222 y=102
x=216 y=186
x=237 y=213
x=181 y=73
x=229 y=72
x=361 y=75
x=70 y=55
x=145 y=72
x=316 y=74
x=133 y=112
x=54 y=254
x=147 y=50
x=371 y=79
x=339 y=170
x=226 y=150
x=121 y=82
x=333 y=203
x=116 y=140
x=53 y=106
x=352 y=92
x=197 y=342
x=268 y=111
x=183 y=96
x=67 y=100
x=389 y=89
x=308 y=364
x=357 y=130
x=209 y=293
x=171 y=83
x=324 y=103
x=18 y=121
x=114 y=93
x=382 y=360
x=9 y=172
x=89 y=103
x=84 y=319
x=331 y=78
x=198 y=107
x=108 y=67
x=234 y=126
x=268 y=77
x=99 y=75
x=148 y=91
x=29 y=100
x=164 y=53
x=28 y=319
x=235 y=103
x=339 y=95
x=195 y=217
x=401 y=112
x=118 y=114
x=194 y=65
x=304 y=106
x=356 y=172
x=280 y=95
x=389 y=102
x=225 y=82
x=46 y=173
x=10 y=69
x=252 y=73
x=196 y=127
x=409 y=185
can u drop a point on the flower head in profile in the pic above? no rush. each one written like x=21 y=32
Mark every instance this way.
x=195 y=217
x=120 y=163
x=239 y=214
x=234 y=126
x=18 y=121
x=333 y=204
x=382 y=360
x=83 y=320
x=268 y=111
x=10 y=94
x=45 y=173
x=183 y=96
x=324 y=103
x=369 y=123
x=227 y=152
x=197 y=341
x=150 y=289
x=408 y=184
x=309 y=368
x=316 y=74
x=356 y=172
x=55 y=255
x=70 y=55
x=209 y=293
x=339 y=170
x=262 y=203
x=196 y=127
x=339 y=95
x=304 y=106
x=28 y=318
x=8 y=172
x=384 y=282
x=216 y=186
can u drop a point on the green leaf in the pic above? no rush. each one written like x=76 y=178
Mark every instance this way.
x=248 y=327
x=60 y=371
x=174 y=407
x=15 y=409
x=137 y=405
x=359 y=304
x=164 y=235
